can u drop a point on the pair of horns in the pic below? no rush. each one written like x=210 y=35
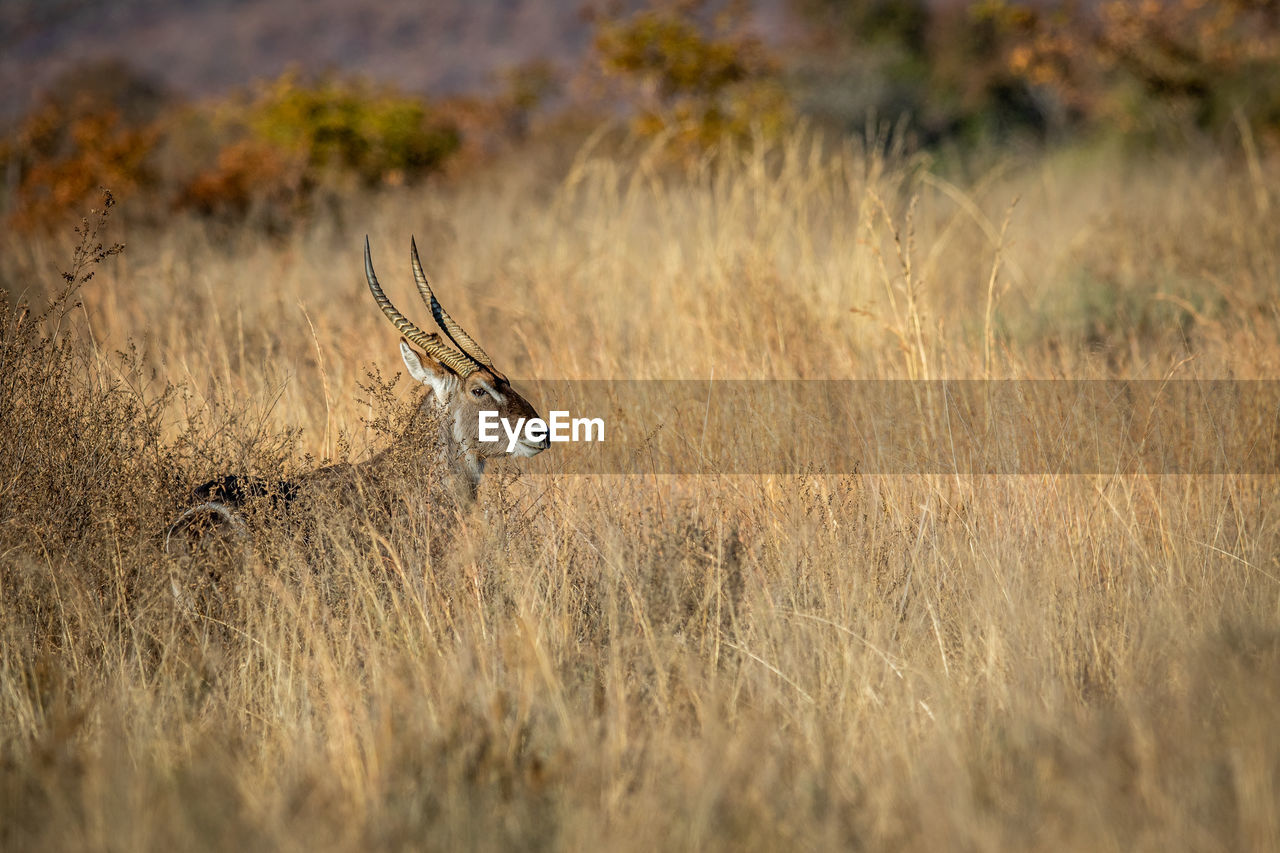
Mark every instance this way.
x=464 y=357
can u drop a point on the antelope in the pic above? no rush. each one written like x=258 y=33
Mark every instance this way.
x=460 y=381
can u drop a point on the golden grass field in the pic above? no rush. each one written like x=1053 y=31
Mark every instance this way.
x=637 y=661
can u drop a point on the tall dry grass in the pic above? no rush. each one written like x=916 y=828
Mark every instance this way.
x=640 y=662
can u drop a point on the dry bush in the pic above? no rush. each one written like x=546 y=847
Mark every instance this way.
x=693 y=84
x=640 y=661
x=269 y=151
x=98 y=123
x=1153 y=70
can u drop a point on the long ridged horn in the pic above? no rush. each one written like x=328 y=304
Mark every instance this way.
x=432 y=344
x=455 y=333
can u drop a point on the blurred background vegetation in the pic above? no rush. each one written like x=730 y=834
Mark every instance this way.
x=954 y=78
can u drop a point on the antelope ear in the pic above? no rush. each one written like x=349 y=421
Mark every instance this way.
x=427 y=371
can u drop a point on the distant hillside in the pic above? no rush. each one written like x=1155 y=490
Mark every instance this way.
x=202 y=46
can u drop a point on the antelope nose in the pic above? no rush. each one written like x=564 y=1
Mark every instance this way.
x=545 y=443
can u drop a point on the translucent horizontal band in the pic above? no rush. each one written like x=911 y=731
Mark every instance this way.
x=917 y=427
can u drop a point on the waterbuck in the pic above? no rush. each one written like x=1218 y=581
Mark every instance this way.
x=443 y=437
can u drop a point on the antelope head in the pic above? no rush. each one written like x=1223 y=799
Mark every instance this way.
x=460 y=378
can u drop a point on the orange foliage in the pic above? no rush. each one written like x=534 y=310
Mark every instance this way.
x=72 y=152
x=103 y=125
x=245 y=171
x=1212 y=61
x=695 y=84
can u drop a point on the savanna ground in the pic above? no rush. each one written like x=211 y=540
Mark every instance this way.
x=638 y=661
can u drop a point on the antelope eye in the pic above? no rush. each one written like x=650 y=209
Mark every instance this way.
x=478 y=392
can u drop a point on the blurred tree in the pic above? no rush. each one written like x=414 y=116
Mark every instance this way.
x=697 y=82
x=1148 y=67
x=295 y=136
x=939 y=64
x=96 y=125
x=245 y=174
x=526 y=89
x=902 y=23
x=379 y=134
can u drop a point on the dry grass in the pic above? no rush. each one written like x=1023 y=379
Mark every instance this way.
x=639 y=662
